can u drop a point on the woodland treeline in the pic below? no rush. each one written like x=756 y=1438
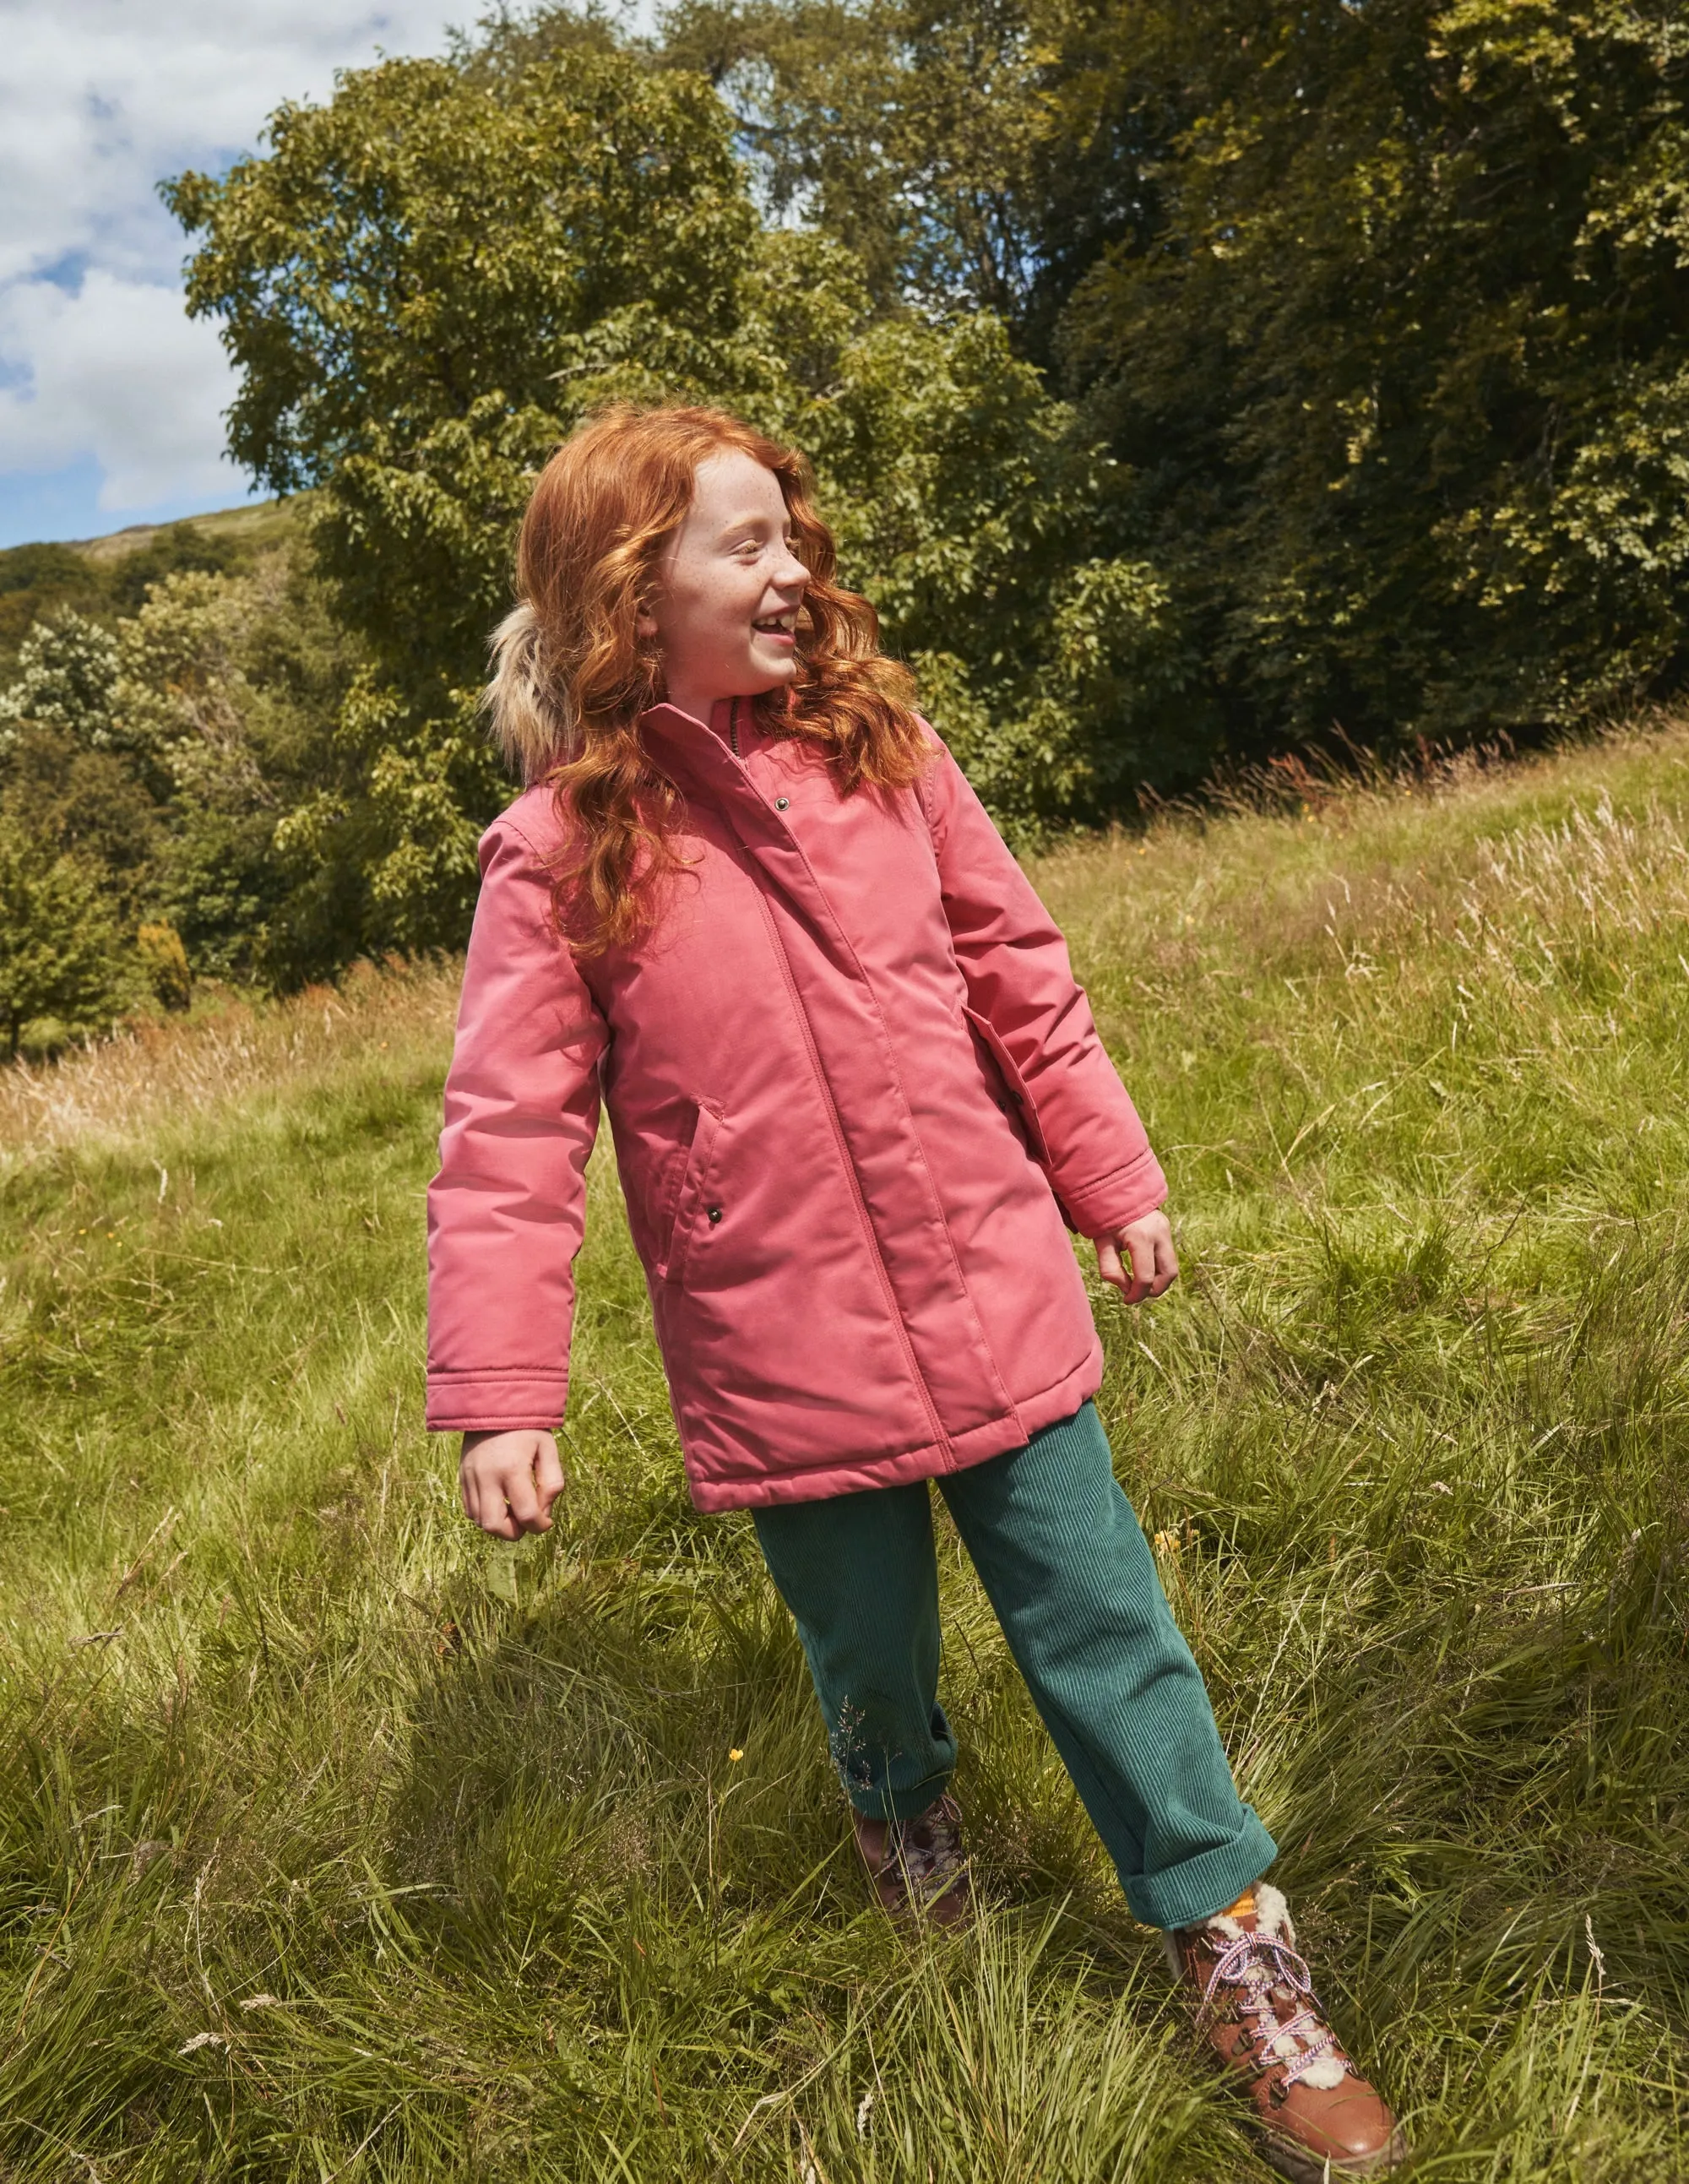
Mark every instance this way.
x=1186 y=383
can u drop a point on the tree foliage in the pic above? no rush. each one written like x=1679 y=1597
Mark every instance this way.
x=61 y=969
x=975 y=154
x=412 y=274
x=910 y=130
x=231 y=690
x=1402 y=380
x=1183 y=381
x=38 y=582
x=415 y=282
x=146 y=773
x=418 y=324
x=67 y=665
x=1382 y=311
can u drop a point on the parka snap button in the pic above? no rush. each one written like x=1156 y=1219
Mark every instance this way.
x=715 y=1213
x=780 y=802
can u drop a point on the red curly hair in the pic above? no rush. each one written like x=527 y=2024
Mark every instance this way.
x=571 y=675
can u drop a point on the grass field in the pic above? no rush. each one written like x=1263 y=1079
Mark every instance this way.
x=336 y=1844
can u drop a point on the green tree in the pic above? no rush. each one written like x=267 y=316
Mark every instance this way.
x=428 y=281
x=1370 y=322
x=976 y=154
x=1399 y=382
x=107 y=581
x=34 y=580
x=417 y=283
x=164 y=964
x=176 y=548
x=908 y=130
x=61 y=961
x=66 y=667
x=164 y=757
x=410 y=277
x=70 y=780
x=979 y=521
x=89 y=803
x=232 y=688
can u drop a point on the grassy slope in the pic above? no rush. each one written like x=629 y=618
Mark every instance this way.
x=102 y=578
x=258 y=524
x=334 y=1844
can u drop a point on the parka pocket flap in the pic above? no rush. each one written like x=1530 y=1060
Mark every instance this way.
x=689 y=1202
x=1013 y=1082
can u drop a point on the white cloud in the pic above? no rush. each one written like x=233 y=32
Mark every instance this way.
x=98 y=99
x=118 y=371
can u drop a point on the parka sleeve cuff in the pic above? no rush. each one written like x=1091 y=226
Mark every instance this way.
x=495 y=1402
x=1104 y=1207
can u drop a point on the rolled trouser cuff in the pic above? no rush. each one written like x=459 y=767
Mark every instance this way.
x=1185 y=1894
x=886 y=1803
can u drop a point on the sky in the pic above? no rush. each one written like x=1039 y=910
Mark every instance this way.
x=111 y=397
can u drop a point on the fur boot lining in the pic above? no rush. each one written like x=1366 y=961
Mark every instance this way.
x=1271 y=1918
x=1273 y=1913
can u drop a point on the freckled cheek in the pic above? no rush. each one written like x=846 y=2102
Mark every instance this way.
x=745 y=608
x=716 y=621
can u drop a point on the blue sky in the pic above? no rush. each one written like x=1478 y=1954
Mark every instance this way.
x=110 y=396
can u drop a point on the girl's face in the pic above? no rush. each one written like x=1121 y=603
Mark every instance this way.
x=729 y=588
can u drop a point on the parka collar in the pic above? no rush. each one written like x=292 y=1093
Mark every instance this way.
x=696 y=755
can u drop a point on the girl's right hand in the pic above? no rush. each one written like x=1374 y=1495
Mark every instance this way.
x=509 y=1480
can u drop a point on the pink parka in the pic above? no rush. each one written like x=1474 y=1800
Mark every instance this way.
x=850 y=1078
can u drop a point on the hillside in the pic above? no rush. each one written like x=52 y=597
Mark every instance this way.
x=248 y=529
x=108 y=577
x=335 y=1842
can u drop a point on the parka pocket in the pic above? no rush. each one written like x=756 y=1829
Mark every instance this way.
x=1022 y=1110
x=691 y=1201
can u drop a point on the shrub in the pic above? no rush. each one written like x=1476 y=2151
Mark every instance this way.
x=163 y=962
x=60 y=955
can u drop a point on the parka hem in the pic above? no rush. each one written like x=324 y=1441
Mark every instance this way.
x=824 y=1482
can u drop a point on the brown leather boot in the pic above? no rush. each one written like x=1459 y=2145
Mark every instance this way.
x=1256 y=2008
x=919 y=1865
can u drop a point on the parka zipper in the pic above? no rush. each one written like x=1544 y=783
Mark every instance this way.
x=940 y=1438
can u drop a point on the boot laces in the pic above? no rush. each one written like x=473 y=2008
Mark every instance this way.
x=929 y=1847
x=1256 y=1965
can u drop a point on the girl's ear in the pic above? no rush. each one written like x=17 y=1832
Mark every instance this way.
x=644 y=623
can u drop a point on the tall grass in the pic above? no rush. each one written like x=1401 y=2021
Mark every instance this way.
x=337 y=1843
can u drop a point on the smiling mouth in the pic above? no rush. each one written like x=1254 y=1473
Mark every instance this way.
x=776 y=625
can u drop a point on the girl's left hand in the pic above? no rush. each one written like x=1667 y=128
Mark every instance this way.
x=1140 y=1261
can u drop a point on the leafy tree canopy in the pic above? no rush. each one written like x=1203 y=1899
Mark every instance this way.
x=1402 y=377
x=61 y=969
x=159 y=760
x=38 y=581
x=66 y=668
x=972 y=153
x=425 y=284
x=1182 y=380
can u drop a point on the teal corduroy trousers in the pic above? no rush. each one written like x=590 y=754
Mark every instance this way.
x=1067 y=1569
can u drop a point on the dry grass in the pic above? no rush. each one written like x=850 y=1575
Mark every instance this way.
x=166 y=1071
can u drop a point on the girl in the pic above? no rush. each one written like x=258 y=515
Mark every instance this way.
x=748 y=899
